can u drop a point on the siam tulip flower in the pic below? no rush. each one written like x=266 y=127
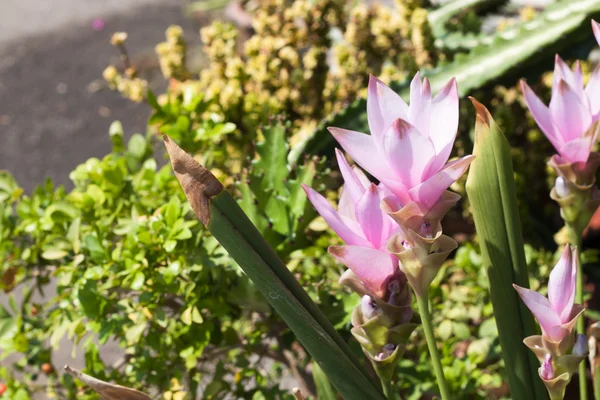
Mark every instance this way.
x=570 y=120
x=409 y=146
x=557 y=313
x=596 y=29
x=382 y=322
x=546 y=370
x=362 y=225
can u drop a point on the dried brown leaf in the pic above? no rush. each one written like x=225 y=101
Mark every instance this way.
x=197 y=182
x=107 y=391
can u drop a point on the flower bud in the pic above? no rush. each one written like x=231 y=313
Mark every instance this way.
x=426 y=230
x=118 y=38
x=546 y=370
x=395 y=290
x=369 y=307
x=110 y=74
x=561 y=187
x=386 y=351
x=581 y=347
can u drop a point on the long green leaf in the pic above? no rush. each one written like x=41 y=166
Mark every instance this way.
x=553 y=30
x=231 y=227
x=324 y=389
x=491 y=190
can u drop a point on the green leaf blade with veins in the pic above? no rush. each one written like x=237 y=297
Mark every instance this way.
x=271 y=192
x=272 y=162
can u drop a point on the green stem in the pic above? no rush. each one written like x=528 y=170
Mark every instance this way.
x=389 y=390
x=596 y=377
x=423 y=303
x=575 y=239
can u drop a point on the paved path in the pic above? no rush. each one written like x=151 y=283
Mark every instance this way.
x=50 y=121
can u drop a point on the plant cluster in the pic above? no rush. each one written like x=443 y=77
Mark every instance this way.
x=131 y=264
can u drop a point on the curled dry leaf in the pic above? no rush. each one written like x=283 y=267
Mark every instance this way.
x=107 y=391
x=197 y=182
x=298 y=394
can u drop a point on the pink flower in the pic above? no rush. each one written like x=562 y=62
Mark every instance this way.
x=596 y=29
x=98 y=24
x=572 y=110
x=362 y=225
x=546 y=371
x=557 y=313
x=409 y=146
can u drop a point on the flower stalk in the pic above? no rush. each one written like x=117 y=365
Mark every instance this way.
x=423 y=303
x=575 y=239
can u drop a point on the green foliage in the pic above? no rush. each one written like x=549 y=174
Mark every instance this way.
x=271 y=191
x=465 y=330
x=324 y=389
x=239 y=237
x=186 y=118
x=132 y=266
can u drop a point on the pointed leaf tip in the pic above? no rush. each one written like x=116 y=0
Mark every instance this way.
x=197 y=182
x=107 y=391
x=483 y=114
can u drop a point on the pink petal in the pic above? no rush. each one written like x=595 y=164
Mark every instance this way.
x=407 y=152
x=563 y=72
x=344 y=227
x=539 y=307
x=578 y=74
x=561 y=286
x=577 y=150
x=429 y=192
x=361 y=176
x=541 y=115
x=98 y=24
x=370 y=217
x=389 y=227
x=373 y=267
x=398 y=189
x=592 y=90
x=596 y=29
x=444 y=124
x=569 y=114
x=346 y=205
x=363 y=150
x=383 y=107
x=420 y=104
x=352 y=185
